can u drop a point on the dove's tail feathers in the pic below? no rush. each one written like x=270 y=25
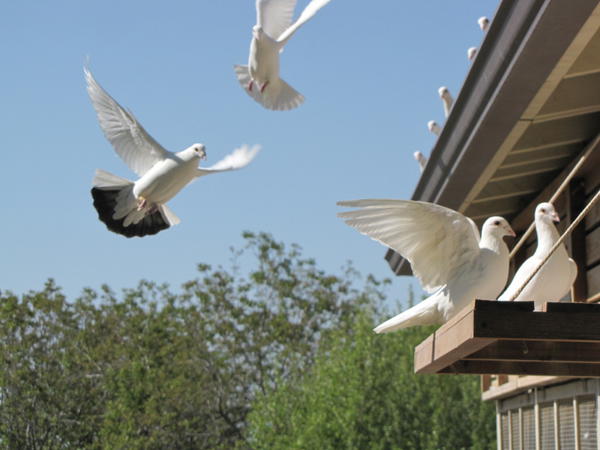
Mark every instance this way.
x=277 y=95
x=117 y=208
x=424 y=313
x=282 y=97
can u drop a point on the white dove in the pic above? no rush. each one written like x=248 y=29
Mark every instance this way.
x=471 y=53
x=447 y=99
x=445 y=252
x=555 y=278
x=421 y=159
x=274 y=27
x=484 y=23
x=433 y=126
x=138 y=208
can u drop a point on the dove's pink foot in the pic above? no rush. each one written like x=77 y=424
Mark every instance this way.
x=250 y=85
x=141 y=203
x=262 y=88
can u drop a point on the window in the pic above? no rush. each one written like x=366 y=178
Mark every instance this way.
x=566 y=417
x=566 y=424
x=587 y=423
x=547 y=426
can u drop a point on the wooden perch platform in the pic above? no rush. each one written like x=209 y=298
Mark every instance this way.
x=491 y=337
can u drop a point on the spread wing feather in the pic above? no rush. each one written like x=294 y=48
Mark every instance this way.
x=274 y=16
x=437 y=241
x=237 y=159
x=131 y=142
x=308 y=12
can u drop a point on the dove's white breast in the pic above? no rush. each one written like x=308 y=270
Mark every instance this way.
x=263 y=62
x=551 y=283
x=482 y=279
x=165 y=179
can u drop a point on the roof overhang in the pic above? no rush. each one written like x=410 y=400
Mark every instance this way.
x=528 y=106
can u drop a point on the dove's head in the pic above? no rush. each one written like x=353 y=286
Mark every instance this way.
x=471 y=52
x=443 y=91
x=257 y=31
x=432 y=124
x=546 y=213
x=197 y=151
x=498 y=227
x=483 y=22
x=418 y=156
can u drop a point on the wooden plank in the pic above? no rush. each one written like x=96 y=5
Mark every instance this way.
x=593 y=217
x=573 y=94
x=592 y=243
x=424 y=352
x=449 y=343
x=577 y=247
x=568 y=307
x=589 y=171
x=593 y=280
x=502 y=307
x=486 y=383
x=520 y=384
x=550 y=326
x=524 y=368
x=538 y=351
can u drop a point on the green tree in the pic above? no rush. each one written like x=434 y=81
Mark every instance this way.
x=154 y=368
x=362 y=393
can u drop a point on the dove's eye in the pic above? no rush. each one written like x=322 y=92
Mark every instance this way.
x=543 y=210
x=497 y=222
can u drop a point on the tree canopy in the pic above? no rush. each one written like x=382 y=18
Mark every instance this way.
x=279 y=356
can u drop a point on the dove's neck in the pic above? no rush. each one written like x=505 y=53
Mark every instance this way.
x=547 y=235
x=494 y=244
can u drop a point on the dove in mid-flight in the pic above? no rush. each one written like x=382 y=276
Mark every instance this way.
x=274 y=27
x=555 y=278
x=447 y=99
x=471 y=53
x=138 y=208
x=421 y=159
x=445 y=251
x=433 y=126
x=484 y=23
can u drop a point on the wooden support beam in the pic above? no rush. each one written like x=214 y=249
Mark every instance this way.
x=491 y=337
x=539 y=351
x=523 y=368
x=576 y=203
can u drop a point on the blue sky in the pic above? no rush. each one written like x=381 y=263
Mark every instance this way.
x=369 y=71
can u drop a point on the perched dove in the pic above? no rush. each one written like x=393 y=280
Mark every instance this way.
x=556 y=277
x=421 y=159
x=138 y=208
x=274 y=27
x=433 y=126
x=471 y=53
x=445 y=252
x=447 y=99
x=484 y=23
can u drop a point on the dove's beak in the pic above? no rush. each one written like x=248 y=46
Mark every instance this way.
x=511 y=232
x=555 y=217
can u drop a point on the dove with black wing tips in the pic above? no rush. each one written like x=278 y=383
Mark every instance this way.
x=138 y=208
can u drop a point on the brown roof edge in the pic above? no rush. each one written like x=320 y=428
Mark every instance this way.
x=523 y=44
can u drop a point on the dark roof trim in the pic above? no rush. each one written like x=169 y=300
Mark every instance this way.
x=521 y=48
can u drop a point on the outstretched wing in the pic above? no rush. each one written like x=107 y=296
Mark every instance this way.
x=237 y=159
x=437 y=241
x=132 y=143
x=310 y=10
x=274 y=16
